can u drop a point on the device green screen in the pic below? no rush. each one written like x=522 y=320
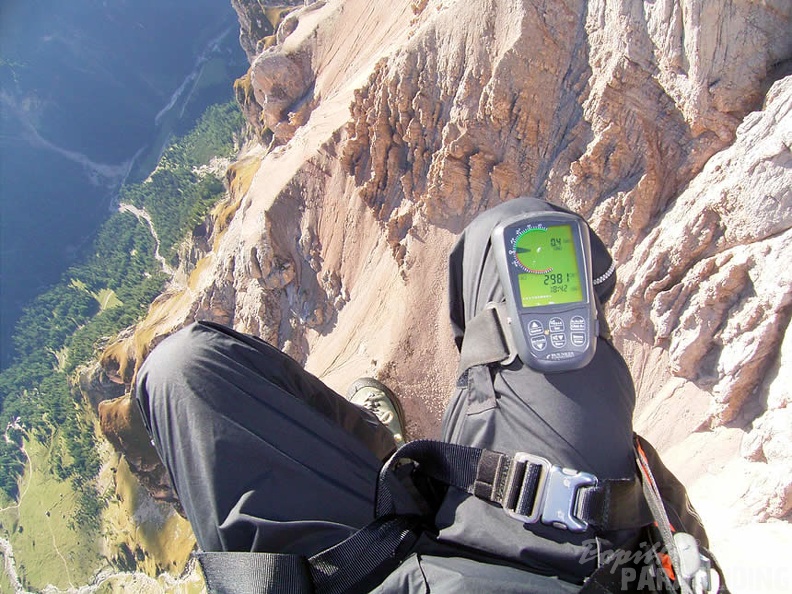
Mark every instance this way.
x=548 y=257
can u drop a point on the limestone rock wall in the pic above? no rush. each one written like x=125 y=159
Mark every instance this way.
x=666 y=123
x=711 y=287
x=259 y=20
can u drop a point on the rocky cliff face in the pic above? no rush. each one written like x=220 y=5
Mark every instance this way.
x=666 y=123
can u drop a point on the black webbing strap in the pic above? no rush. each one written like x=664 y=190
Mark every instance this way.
x=249 y=573
x=373 y=551
x=517 y=483
x=622 y=497
x=487 y=339
x=350 y=566
x=522 y=485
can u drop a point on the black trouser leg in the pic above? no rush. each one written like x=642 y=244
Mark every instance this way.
x=580 y=420
x=263 y=456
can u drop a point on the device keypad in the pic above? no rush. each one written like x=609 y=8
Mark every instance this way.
x=555 y=336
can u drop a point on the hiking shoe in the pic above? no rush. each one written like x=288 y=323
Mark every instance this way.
x=379 y=399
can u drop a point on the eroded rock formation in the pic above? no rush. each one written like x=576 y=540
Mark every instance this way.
x=666 y=123
x=122 y=425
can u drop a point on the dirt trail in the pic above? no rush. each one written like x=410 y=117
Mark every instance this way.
x=142 y=215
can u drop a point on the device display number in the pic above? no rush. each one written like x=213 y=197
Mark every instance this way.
x=558 y=278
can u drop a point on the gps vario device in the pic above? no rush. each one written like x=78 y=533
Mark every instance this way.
x=544 y=264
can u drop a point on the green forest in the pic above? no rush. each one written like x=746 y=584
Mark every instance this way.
x=176 y=196
x=110 y=288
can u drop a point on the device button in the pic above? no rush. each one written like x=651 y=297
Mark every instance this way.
x=539 y=343
x=556 y=325
x=558 y=340
x=578 y=339
x=535 y=327
x=577 y=324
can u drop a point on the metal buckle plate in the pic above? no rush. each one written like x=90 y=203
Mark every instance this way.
x=558 y=508
x=556 y=494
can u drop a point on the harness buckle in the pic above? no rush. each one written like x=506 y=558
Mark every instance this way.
x=522 y=474
x=554 y=492
x=560 y=503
